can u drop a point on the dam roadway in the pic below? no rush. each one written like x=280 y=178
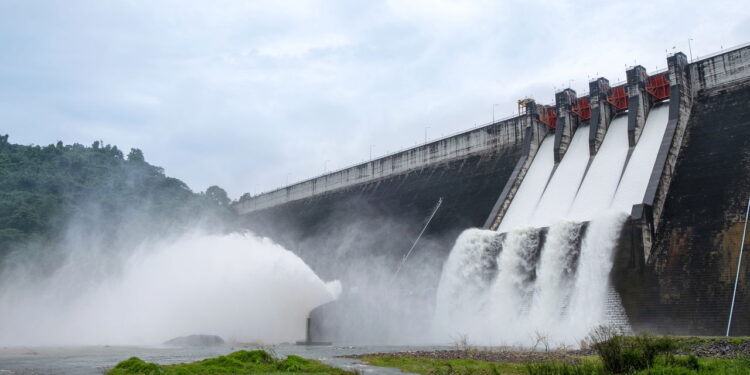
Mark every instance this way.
x=677 y=256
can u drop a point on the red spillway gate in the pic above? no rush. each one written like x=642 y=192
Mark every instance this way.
x=547 y=116
x=582 y=109
x=658 y=87
x=618 y=98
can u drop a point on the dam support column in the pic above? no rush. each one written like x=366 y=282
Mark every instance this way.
x=648 y=214
x=601 y=113
x=534 y=133
x=639 y=103
x=567 y=122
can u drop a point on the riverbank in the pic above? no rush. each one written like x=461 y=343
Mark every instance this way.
x=662 y=355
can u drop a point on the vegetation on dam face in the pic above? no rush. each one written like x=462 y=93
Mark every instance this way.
x=44 y=188
x=240 y=362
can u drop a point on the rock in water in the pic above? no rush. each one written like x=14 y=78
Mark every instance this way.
x=196 y=341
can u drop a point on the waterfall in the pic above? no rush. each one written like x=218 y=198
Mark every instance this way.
x=557 y=271
x=588 y=306
x=553 y=260
x=467 y=275
x=514 y=285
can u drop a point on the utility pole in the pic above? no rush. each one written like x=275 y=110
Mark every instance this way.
x=739 y=264
x=371 y=146
x=690 y=48
x=493 y=113
x=425 y=134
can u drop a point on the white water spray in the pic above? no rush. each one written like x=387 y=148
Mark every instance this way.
x=589 y=302
x=556 y=275
x=240 y=287
x=563 y=292
x=466 y=276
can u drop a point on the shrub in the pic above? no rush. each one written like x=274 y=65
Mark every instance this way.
x=253 y=356
x=621 y=354
x=135 y=365
x=293 y=363
x=608 y=343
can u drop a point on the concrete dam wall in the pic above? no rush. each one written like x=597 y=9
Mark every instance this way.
x=684 y=284
x=675 y=258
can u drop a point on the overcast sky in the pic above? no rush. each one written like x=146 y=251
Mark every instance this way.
x=248 y=95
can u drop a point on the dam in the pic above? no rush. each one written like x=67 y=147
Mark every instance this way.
x=624 y=205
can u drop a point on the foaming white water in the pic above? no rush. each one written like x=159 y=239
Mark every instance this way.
x=467 y=275
x=599 y=185
x=638 y=171
x=514 y=285
x=512 y=290
x=561 y=191
x=588 y=306
x=556 y=275
x=559 y=293
x=482 y=292
x=565 y=291
x=522 y=207
x=240 y=287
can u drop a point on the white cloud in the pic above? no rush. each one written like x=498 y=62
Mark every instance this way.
x=244 y=94
x=301 y=45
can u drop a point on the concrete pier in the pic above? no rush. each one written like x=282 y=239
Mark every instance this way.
x=639 y=102
x=601 y=113
x=567 y=122
x=536 y=132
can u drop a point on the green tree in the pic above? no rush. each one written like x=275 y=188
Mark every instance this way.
x=136 y=155
x=44 y=188
x=218 y=195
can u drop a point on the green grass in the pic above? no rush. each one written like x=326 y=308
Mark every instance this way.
x=663 y=365
x=241 y=362
x=430 y=366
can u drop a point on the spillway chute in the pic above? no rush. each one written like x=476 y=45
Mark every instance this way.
x=560 y=233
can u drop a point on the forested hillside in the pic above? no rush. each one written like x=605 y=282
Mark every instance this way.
x=43 y=189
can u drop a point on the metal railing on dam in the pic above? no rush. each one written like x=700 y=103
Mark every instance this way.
x=482 y=139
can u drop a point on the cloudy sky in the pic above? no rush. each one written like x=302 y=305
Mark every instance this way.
x=248 y=95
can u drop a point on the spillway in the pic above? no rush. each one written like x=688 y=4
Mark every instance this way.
x=600 y=183
x=634 y=181
x=561 y=191
x=551 y=273
x=531 y=189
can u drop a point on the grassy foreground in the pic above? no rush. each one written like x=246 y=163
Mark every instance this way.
x=664 y=365
x=615 y=354
x=444 y=366
x=240 y=362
